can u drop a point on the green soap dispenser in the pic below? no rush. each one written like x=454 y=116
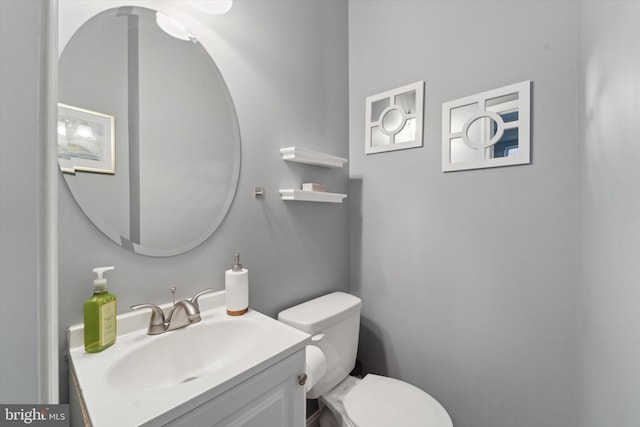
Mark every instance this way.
x=100 y=315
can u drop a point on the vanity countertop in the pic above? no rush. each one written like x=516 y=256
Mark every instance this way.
x=152 y=379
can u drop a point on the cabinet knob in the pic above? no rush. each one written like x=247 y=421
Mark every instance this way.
x=302 y=379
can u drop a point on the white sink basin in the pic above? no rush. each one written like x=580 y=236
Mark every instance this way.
x=148 y=379
x=186 y=354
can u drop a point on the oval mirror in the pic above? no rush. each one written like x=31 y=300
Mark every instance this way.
x=148 y=138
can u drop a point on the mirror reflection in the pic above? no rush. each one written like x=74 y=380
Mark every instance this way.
x=392 y=121
x=487 y=130
x=175 y=162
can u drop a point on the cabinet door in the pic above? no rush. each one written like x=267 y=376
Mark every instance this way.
x=272 y=398
x=272 y=408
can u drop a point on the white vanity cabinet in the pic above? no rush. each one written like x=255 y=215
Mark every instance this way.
x=239 y=371
x=273 y=397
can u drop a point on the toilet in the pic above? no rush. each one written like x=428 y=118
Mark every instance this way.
x=333 y=321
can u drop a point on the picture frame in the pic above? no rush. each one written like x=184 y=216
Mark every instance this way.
x=86 y=140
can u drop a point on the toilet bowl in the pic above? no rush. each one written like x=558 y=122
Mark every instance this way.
x=333 y=320
x=377 y=401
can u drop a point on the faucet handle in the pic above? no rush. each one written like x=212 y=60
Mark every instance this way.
x=194 y=299
x=156 y=323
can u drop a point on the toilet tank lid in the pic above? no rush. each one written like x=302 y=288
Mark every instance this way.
x=316 y=314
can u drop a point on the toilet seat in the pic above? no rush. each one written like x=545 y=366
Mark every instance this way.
x=378 y=401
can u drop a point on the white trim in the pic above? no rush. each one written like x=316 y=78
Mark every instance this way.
x=48 y=343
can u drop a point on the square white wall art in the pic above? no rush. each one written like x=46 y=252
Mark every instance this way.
x=394 y=119
x=486 y=130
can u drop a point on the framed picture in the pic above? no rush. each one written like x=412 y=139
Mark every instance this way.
x=86 y=141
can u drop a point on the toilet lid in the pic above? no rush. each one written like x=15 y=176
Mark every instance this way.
x=382 y=402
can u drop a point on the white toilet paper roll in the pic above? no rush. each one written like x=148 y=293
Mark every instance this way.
x=316 y=366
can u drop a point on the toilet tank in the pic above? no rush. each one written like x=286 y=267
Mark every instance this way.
x=333 y=320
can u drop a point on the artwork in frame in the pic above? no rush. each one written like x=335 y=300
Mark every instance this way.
x=86 y=141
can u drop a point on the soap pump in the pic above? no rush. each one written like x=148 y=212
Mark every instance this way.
x=100 y=329
x=237 y=288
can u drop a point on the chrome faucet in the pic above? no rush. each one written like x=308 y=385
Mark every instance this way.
x=183 y=313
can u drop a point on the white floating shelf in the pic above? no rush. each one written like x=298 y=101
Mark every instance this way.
x=302 y=155
x=311 y=196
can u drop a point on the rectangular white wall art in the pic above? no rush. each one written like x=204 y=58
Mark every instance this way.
x=394 y=119
x=486 y=130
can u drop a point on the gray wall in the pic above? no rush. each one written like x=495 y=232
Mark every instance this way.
x=23 y=201
x=285 y=64
x=467 y=278
x=491 y=338
x=609 y=154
